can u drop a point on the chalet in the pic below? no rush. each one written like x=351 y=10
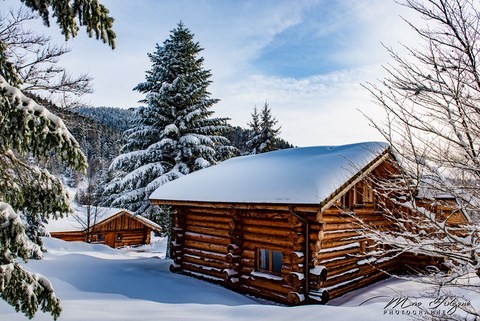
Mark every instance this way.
x=111 y=226
x=279 y=225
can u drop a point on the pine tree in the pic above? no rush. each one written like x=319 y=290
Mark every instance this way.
x=30 y=131
x=175 y=133
x=254 y=142
x=264 y=135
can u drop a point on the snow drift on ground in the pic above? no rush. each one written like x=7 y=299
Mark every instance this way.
x=96 y=282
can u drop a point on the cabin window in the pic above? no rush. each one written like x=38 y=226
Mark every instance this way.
x=119 y=236
x=358 y=198
x=359 y=195
x=269 y=260
x=347 y=199
x=99 y=237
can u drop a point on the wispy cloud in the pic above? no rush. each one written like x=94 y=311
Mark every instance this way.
x=307 y=58
x=322 y=109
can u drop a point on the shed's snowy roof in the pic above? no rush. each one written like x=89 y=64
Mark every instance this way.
x=76 y=221
x=305 y=175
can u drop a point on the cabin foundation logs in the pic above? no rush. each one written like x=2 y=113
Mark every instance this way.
x=178 y=239
x=234 y=249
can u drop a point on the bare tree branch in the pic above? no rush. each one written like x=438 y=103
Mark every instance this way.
x=36 y=60
x=431 y=99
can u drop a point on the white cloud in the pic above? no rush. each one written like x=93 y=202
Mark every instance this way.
x=316 y=110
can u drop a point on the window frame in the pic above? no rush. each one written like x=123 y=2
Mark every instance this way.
x=359 y=195
x=270 y=261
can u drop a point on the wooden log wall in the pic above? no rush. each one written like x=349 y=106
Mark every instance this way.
x=69 y=236
x=220 y=244
x=278 y=231
x=200 y=239
x=341 y=249
x=132 y=237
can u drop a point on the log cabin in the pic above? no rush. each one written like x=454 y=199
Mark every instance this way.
x=279 y=225
x=110 y=226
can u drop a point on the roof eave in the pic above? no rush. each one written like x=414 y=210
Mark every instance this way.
x=306 y=207
x=361 y=174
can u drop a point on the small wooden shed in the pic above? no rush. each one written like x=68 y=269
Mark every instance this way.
x=444 y=205
x=113 y=227
x=278 y=225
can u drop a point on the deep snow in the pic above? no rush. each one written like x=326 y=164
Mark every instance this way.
x=96 y=282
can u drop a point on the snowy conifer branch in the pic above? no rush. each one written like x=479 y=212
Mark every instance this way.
x=25 y=291
x=72 y=14
x=28 y=127
x=31 y=189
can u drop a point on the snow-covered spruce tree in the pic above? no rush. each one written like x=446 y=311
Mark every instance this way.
x=28 y=130
x=175 y=133
x=432 y=107
x=264 y=134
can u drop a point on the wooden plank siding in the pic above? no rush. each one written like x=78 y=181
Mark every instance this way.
x=122 y=230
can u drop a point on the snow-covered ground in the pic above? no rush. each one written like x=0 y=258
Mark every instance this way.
x=96 y=282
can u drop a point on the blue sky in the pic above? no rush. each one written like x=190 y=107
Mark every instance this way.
x=307 y=58
x=308 y=47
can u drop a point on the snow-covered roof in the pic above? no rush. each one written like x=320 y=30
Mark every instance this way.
x=76 y=221
x=305 y=175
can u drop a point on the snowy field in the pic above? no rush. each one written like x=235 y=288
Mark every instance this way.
x=96 y=282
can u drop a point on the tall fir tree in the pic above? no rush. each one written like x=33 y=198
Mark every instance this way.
x=175 y=133
x=264 y=135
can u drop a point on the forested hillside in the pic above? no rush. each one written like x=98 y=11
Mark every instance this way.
x=239 y=137
x=99 y=134
x=111 y=122
x=117 y=119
